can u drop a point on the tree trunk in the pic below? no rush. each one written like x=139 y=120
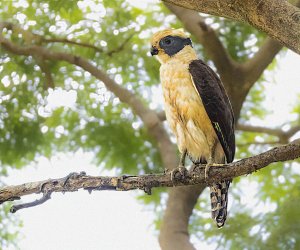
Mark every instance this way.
x=174 y=233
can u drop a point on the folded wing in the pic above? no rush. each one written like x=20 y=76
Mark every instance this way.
x=216 y=104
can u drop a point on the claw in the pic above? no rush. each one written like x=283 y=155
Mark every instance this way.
x=179 y=174
x=194 y=169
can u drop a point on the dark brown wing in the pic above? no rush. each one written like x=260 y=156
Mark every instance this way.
x=216 y=104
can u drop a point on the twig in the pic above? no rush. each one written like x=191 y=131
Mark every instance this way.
x=64 y=40
x=74 y=182
x=282 y=135
x=15 y=208
x=256 y=143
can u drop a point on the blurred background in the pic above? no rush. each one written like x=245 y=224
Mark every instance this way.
x=60 y=114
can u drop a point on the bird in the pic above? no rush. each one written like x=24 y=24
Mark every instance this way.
x=197 y=109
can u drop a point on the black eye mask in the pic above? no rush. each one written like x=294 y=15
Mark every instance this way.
x=173 y=44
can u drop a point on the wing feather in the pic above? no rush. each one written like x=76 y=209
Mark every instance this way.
x=216 y=104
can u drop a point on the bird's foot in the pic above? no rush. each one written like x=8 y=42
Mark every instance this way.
x=207 y=168
x=194 y=169
x=179 y=174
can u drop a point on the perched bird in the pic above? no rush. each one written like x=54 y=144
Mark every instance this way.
x=197 y=109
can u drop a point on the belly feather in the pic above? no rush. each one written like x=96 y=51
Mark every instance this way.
x=186 y=114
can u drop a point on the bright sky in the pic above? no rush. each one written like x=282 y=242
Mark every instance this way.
x=283 y=90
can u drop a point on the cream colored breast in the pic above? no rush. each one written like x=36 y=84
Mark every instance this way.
x=185 y=112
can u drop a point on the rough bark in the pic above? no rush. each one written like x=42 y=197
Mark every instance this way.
x=279 y=19
x=73 y=182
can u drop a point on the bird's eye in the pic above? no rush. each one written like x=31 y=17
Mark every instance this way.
x=168 y=41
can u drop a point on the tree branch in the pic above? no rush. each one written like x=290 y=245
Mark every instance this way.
x=279 y=19
x=31 y=38
x=74 y=182
x=256 y=143
x=65 y=40
x=87 y=45
x=283 y=136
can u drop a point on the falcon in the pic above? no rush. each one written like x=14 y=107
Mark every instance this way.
x=198 y=110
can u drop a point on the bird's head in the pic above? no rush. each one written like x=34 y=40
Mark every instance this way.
x=168 y=43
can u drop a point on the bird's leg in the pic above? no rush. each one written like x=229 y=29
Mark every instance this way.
x=211 y=159
x=207 y=167
x=180 y=170
x=182 y=159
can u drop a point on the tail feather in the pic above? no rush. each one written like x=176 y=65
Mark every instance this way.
x=219 y=200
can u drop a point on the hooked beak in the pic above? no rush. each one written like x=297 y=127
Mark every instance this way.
x=154 y=51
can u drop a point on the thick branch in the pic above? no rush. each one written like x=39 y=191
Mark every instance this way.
x=75 y=182
x=279 y=19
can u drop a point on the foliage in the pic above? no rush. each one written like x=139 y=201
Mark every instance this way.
x=9 y=226
x=81 y=114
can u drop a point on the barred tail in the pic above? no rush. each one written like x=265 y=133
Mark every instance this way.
x=219 y=198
